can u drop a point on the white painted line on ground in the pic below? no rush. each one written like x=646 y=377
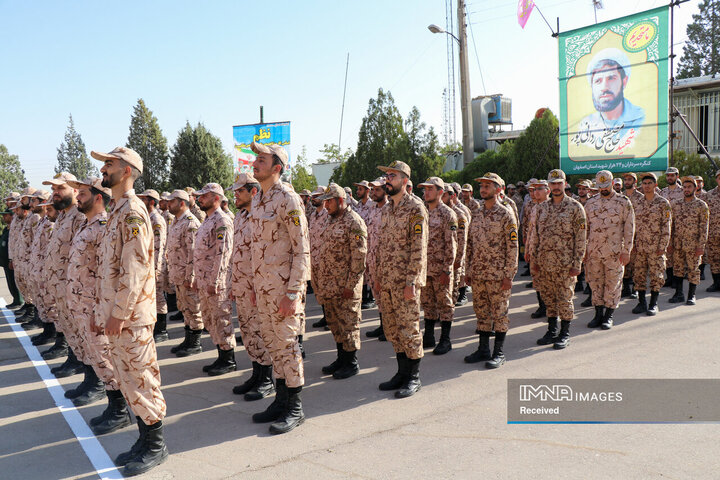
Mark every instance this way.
x=95 y=452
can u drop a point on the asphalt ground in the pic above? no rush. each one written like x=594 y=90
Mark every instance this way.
x=455 y=427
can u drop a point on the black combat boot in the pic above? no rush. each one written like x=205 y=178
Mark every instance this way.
x=264 y=386
x=160 y=333
x=411 y=378
x=579 y=287
x=30 y=320
x=28 y=313
x=21 y=311
x=59 y=349
x=17 y=303
x=126 y=457
x=93 y=391
x=89 y=374
x=337 y=363
x=598 y=318
x=625 y=288
x=171 y=302
x=679 y=296
x=349 y=365
x=641 y=307
x=250 y=382
x=377 y=331
x=177 y=317
x=607 y=321
x=633 y=292
x=277 y=407
x=541 y=311
x=563 y=340
x=369 y=300
x=652 y=308
x=115 y=416
x=702 y=271
x=152 y=453
x=46 y=336
x=715 y=287
x=429 y=335
x=226 y=363
x=398 y=379
x=498 y=356
x=551 y=334
x=668 y=278
x=301 y=346
x=588 y=301
x=483 y=352
x=292 y=415
x=182 y=344
x=691 y=294
x=322 y=322
x=462 y=297
x=71 y=366
x=206 y=368
x=444 y=345
x=381 y=337
x=192 y=343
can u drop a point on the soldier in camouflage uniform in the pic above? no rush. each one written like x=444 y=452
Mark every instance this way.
x=653 y=217
x=611 y=228
x=316 y=221
x=36 y=258
x=22 y=258
x=702 y=194
x=436 y=297
x=339 y=278
x=194 y=208
x=400 y=267
x=363 y=207
x=47 y=310
x=540 y=192
x=151 y=199
x=379 y=197
x=629 y=181
x=467 y=198
x=463 y=216
x=689 y=236
x=672 y=193
x=281 y=265
x=126 y=309
x=211 y=266
x=492 y=260
x=167 y=287
x=712 y=199
x=180 y=247
x=556 y=250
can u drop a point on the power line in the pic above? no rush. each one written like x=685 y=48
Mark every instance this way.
x=477 y=57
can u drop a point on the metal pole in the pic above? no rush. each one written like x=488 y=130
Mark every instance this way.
x=677 y=113
x=671 y=135
x=465 y=98
x=261 y=114
x=342 y=111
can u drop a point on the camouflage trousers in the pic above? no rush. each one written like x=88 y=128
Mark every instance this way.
x=250 y=331
x=280 y=334
x=401 y=321
x=491 y=304
x=556 y=289
x=58 y=293
x=437 y=300
x=343 y=317
x=22 y=283
x=160 y=298
x=217 y=313
x=75 y=327
x=713 y=254
x=134 y=360
x=652 y=265
x=370 y=274
x=95 y=347
x=189 y=304
x=301 y=313
x=628 y=272
x=44 y=303
x=686 y=263
x=605 y=278
x=458 y=281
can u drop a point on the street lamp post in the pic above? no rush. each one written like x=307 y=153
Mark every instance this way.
x=465 y=99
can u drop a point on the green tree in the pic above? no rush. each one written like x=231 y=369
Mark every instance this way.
x=536 y=151
x=701 y=52
x=147 y=140
x=331 y=153
x=198 y=158
x=300 y=173
x=12 y=176
x=692 y=164
x=425 y=159
x=72 y=157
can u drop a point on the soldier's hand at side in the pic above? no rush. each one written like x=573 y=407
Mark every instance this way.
x=409 y=292
x=114 y=326
x=625 y=258
x=347 y=293
x=287 y=307
x=252 y=298
x=376 y=284
x=699 y=251
x=534 y=268
x=444 y=279
x=506 y=284
x=212 y=290
x=574 y=272
x=188 y=285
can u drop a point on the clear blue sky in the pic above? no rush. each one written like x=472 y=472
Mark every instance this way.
x=217 y=61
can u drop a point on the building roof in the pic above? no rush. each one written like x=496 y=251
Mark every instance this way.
x=698 y=83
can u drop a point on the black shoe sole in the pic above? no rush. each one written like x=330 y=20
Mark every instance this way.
x=275 y=431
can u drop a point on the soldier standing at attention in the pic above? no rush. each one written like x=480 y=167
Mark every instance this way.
x=379 y=197
x=211 y=265
x=339 y=278
x=629 y=181
x=180 y=247
x=401 y=266
x=281 y=266
x=672 y=193
x=22 y=259
x=260 y=383
x=151 y=198
x=194 y=208
x=436 y=297
x=652 y=234
x=363 y=208
x=556 y=251
x=167 y=287
x=689 y=235
x=41 y=236
x=316 y=223
x=463 y=215
x=126 y=309
x=492 y=259
x=467 y=198
x=611 y=227
x=712 y=198
x=540 y=194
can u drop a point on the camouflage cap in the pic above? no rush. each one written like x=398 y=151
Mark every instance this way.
x=15 y=196
x=165 y=196
x=511 y=186
x=410 y=184
x=332 y=191
x=520 y=184
x=433 y=182
x=304 y=192
x=672 y=170
x=467 y=188
x=318 y=191
x=241 y=180
x=556 y=176
x=491 y=177
x=651 y=175
x=190 y=190
x=150 y=193
x=397 y=166
x=378 y=182
x=717 y=174
x=27 y=192
x=180 y=194
x=91 y=182
x=541 y=183
x=363 y=183
x=60 y=179
x=215 y=188
x=584 y=183
x=689 y=178
x=604 y=179
x=617 y=181
x=272 y=149
x=698 y=178
x=128 y=155
x=532 y=181
x=630 y=174
x=43 y=195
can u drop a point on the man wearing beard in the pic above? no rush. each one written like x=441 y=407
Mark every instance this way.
x=316 y=221
x=22 y=259
x=379 y=198
x=46 y=310
x=126 y=310
x=401 y=266
x=608 y=73
x=672 y=193
x=36 y=259
x=151 y=198
x=69 y=221
x=194 y=208
x=611 y=229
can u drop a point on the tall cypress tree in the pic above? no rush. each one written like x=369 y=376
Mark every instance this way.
x=701 y=53
x=72 y=157
x=147 y=140
x=198 y=158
